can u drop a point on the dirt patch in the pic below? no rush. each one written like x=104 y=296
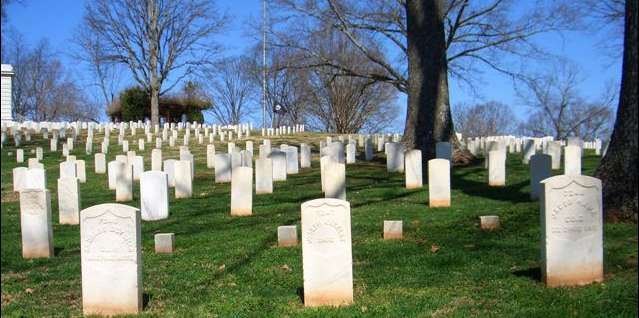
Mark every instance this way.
x=10 y=196
x=450 y=308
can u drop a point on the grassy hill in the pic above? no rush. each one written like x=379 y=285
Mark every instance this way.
x=230 y=266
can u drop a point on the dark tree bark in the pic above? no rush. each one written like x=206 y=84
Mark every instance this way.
x=154 y=41
x=618 y=168
x=428 y=118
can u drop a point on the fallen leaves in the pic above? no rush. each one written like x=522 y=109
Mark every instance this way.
x=286 y=268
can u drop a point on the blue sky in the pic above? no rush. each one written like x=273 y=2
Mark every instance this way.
x=57 y=20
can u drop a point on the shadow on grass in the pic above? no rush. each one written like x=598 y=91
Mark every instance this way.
x=146 y=298
x=300 y=293
x=382 y=198
x=57 y=251
x=533 y=273
x=511 y=193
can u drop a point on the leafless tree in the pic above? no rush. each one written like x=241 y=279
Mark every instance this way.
x=3 y=10
x=286 y=86
x=156 y=38
x=606 y=19
x=429 y=40
x=486 y=119
x=42 y=89
x=558 y=109
x=347 y=104
x=230 y=89
x=90 y=48
x=16 y=52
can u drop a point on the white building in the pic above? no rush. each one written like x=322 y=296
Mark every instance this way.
x=7 y=100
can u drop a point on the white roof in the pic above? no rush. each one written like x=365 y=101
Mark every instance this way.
x=7 y=69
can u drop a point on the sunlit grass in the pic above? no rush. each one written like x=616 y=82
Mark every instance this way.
x=230 y=267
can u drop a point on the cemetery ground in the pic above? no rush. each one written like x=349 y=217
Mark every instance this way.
x=227 y=266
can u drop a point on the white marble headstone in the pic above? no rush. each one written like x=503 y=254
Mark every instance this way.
x=111 y=256
x=35 y=223
x=154 y=195
x=572 y=230
x=326 y=253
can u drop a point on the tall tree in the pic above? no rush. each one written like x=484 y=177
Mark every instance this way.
x=424 y=42
x=558 y=109
x=42 y=89
x=487 y=119
x=105 y=74
x=347 y=104
x=156 y=39
x=618 y=167
x=231 y=90
x=285 y=86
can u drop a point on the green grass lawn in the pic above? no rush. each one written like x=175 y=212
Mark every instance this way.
x=230 y=266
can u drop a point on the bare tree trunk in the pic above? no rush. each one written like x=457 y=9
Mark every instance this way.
x=618 y=168
x=153 y=56
x=428 y=118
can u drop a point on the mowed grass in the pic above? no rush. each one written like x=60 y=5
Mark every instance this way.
x=230 y=266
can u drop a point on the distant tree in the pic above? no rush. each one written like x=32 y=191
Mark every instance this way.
x=16 y=52
x=487 y=119
x=606 y=19
x=90 y=48
x=156 y=39
x=557 y=109
x=286 y=86
x=42 y=90
x=3 y=9
x=231 y=90
x=432 y=38
x=347 y=104
x=618 y=168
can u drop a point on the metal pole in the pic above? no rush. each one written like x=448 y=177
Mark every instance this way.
x=263 y=63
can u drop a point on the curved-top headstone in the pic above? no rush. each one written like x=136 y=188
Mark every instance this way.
x=279 y=164
x=35 y=223
x=292 y=162
x=110 y=244
x=572 y=230
x=222 y=168
x=394 y=157
x=242 y=191
x=326 y=252
x=154 y=195
x=335 y=179
x=413 y=170
x=444 y=150
x=438 y=183
x=540 y=169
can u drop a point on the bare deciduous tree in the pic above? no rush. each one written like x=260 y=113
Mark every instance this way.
x=156 y=38
x=430 y=39
x=42 y=89
x=347 y=104
x=91 y=49
x=285 y=86
x=487 y=119
x=557 y=108
x=230 y=89
x=606 y=18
